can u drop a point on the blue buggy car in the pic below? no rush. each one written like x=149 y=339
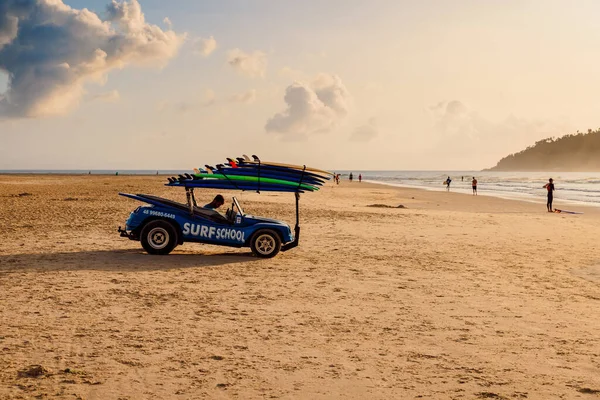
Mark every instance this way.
x=163 y=224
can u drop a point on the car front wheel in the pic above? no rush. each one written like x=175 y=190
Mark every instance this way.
x=158 y=237
x=265 y=243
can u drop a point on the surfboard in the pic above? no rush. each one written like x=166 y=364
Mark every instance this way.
x=266 y=173
x=257 y=179
x=238 y=185
x=556 y=210
x=279 y=170
x=292 y=166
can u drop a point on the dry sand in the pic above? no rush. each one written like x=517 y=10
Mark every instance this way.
x=454 y=297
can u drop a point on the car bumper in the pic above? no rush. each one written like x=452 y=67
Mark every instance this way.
x=128 y=234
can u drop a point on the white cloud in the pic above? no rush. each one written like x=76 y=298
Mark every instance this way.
x=365 y=133
x=168 y=23
x=107 y=97
x=253 y=65
x=205 y=46
x=246 y=97
x=312 y=108
x=51 y=50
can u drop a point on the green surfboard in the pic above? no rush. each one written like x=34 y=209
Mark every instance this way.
x=216 y=175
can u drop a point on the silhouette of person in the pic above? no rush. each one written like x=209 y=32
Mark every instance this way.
x=550 y=188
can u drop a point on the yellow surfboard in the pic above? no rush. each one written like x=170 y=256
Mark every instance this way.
x=248 y=160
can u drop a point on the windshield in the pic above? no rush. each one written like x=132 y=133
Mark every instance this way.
x=237 y=204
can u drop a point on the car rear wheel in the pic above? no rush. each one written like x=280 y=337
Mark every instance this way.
x=158 y=237
x=265 y=243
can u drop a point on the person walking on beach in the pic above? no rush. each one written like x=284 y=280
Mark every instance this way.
x=360 y=177
x=550 y=188
x=474 y=184
x=448 y=184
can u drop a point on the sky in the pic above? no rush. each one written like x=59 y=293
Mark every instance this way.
x=337 y=84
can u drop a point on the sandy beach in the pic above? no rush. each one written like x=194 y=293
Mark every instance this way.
x=452 y=297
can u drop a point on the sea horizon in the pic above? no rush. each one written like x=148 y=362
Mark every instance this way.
x=571 y=187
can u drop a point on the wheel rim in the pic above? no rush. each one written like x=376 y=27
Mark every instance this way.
x=158 y=238
x=265 y=244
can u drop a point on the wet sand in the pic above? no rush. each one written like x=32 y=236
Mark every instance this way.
x=452 y=297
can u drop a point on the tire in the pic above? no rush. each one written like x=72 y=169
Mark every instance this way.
x=265 y=243
x=159 y=237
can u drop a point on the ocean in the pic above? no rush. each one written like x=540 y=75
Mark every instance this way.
x=571 y=187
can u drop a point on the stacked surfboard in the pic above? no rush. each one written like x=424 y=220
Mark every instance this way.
x=245 y=173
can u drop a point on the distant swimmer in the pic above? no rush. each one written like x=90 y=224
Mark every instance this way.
x=550 y=188
x=474 y=183
x=447 y=182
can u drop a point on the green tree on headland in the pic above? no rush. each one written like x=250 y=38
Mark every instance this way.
x=575 y=152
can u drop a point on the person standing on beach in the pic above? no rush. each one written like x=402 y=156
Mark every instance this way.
x=550 y=188
x=360 y=177
x=350 y=176
x=448 y=183
x=474 y=183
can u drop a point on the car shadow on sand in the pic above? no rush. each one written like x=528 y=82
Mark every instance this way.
x=118 y=260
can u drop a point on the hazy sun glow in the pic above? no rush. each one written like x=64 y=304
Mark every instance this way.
x=339 y=84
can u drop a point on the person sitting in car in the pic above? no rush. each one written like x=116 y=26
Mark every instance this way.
x=217 y=202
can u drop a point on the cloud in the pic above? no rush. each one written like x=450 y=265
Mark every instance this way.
x=288 y=72
x=365 y=133
x=246 y=97
x=107 y=97
x=208 y=99
x=459 y=130
x=168 y=23
x=204 y=46
x=161 y=106
x=253 y=65
x=454 y=118
x=312 y=108
x=50 y=51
